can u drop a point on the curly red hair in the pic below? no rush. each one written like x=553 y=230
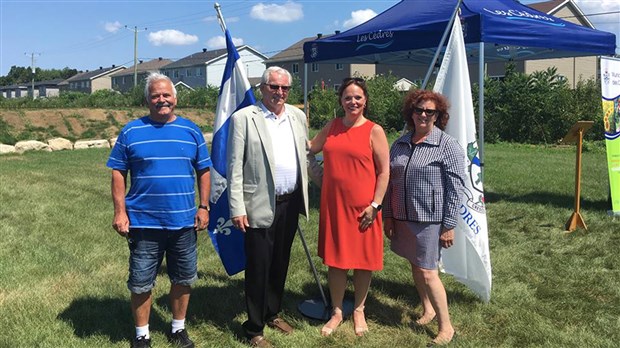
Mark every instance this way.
x=419 y=96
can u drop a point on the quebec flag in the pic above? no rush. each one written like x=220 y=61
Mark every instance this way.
x=235 y=93
x=468 y=260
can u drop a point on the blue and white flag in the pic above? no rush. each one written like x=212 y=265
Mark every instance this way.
x=235 y=93
x=468 y=260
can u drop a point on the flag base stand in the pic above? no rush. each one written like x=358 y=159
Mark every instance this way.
x=575 y=134
x=319 y=309
x=575 y=220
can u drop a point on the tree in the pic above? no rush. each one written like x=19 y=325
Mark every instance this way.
x=20 y=74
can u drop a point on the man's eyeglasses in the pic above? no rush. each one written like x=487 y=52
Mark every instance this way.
x=277 y=87
x=428 y=112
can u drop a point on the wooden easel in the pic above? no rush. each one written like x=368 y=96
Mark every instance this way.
x=575 y=134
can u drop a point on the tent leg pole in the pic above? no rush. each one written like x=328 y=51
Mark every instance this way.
x=306 y=110
x=481 y=74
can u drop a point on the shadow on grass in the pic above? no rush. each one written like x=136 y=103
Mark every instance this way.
x=376 y=309
x=216 y=305
x=111 y=317
x=557 y=200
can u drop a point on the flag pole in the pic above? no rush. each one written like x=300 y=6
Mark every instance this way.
x=441 y=43
x=436 y=55
x=310 y=308
x=220 y=18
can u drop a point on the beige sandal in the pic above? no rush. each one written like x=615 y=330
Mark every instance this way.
x=329 y=329
x=360 y=330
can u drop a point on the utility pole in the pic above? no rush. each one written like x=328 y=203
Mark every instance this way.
x=135 y=54
x=33 y=69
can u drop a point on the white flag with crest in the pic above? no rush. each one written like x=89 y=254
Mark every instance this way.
x=468 y=259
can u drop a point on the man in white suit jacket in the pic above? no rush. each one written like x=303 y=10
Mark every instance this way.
x=268 y=188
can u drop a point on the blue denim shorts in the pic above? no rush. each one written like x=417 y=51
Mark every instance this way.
x=146 y=253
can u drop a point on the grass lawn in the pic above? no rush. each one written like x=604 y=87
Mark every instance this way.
x=63 y=268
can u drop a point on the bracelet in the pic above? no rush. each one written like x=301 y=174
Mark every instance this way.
x=205 y=207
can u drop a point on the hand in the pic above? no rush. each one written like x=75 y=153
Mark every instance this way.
x=366 y=217
x=201 y=220
x=388 y=227
x=447 y=238
x=240 y=222
x=121 y=224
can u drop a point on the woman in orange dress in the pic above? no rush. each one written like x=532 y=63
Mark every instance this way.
x=355 y=178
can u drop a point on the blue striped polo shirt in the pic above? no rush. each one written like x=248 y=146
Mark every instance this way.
x=162 y=159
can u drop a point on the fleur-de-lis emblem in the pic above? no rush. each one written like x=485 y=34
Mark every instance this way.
x=223 y=226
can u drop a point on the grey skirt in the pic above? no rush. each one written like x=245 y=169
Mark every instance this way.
x=417 y=242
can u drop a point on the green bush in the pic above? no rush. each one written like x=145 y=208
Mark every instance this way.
x=538 y=108
x=324 y=106
x=525 y=108
x=6 y=135
x=385 y=102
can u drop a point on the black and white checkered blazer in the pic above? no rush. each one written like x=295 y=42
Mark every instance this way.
x=426 y=179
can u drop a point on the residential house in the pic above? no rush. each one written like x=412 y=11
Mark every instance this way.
x=207 y=67
x=91 y=81
x=46 y=89
x=14 y=91
x=320 y=75
x=123 y=80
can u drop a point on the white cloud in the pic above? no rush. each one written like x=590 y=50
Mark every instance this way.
x=220 y=42
x=112 y=27
x=358 y=17
x=287 y=12
x=171 y=37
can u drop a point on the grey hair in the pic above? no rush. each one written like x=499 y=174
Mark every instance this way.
x=154 y=77
x=277 y=70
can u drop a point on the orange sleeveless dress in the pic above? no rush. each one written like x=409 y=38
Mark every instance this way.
x=348 y=187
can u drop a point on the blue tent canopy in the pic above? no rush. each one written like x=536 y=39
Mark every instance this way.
x=410 y=31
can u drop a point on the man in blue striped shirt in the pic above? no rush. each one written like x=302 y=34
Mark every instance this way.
x=164 y=155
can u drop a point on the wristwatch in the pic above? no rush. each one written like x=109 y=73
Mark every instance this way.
x=205 y=207
x=376 y=205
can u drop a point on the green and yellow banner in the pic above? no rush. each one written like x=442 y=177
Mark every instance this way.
x=610 y=88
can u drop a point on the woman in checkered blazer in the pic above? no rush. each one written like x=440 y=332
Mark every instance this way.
x=422 y=201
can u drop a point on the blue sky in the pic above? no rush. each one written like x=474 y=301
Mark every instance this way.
x=87 y=34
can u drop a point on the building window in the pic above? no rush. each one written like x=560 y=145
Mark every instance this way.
x=123 y=80
x=175 y=73
x=314 y=67
x=88 y=84
x=198 y=72
x=188 y=72
x=295 y=68
x=339 y=66
x=167 y=73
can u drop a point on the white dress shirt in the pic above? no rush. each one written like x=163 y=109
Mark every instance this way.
x=285 y=155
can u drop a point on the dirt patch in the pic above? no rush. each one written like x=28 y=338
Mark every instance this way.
x=82 y=123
